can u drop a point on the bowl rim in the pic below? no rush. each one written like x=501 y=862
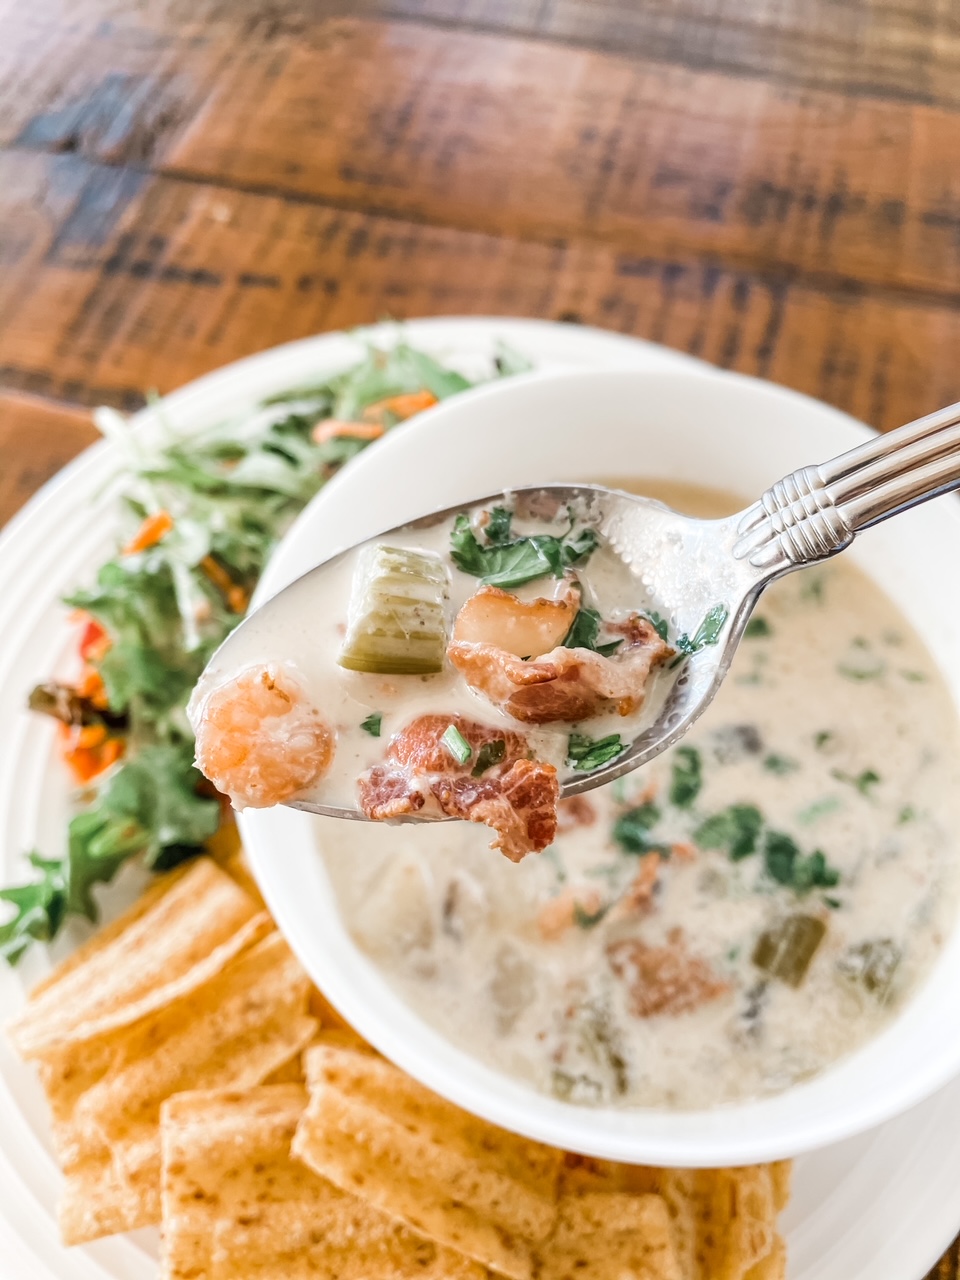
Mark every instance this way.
x=442 y=1065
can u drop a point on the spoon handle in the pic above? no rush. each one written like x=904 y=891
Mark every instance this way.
x=817 y=511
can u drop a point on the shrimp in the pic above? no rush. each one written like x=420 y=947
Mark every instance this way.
x=259 y=741
x=516 y=796
x=562 y=684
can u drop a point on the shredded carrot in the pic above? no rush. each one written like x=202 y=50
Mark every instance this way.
x=89 y=751
x=150 y=532
x=91 y=686
x=683 y=850
x=237 y=597
x=333 y=428
x=402 y=406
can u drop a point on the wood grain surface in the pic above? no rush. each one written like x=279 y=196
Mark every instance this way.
x=773 y=186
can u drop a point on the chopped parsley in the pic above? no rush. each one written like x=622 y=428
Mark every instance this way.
x=660 y=625
x=735 y=831
x=587 y=919
x=785 y=864
x=758 y=627
x=863 y=781
x=686 y=778
x=707 y=633
x=457 y=744
x=490 y=753
x=514 y=561
x=774 y=763
x=372 y=724
x=583 y=634
x=589 y=754
x=821 y=739
x=498 y=527
x=632 y=830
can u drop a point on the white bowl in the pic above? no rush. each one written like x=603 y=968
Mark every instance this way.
x=717 y=429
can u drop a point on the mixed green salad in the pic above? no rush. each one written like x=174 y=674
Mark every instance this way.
x=203 y=516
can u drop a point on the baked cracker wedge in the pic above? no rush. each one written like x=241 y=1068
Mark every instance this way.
x=236 y=1204
x=374 y=1131
x=183 y=929
x=610 y=1235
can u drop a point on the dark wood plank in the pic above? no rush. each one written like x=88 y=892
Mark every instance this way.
x=471 y=131
x=37 y=438
x=189 y=276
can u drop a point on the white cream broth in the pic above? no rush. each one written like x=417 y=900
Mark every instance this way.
x=835 y=724
x=304 y=628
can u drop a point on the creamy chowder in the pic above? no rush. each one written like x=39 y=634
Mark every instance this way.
x=731 y=919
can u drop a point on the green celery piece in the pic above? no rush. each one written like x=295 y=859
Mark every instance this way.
x=397 y=623
x=785 y=951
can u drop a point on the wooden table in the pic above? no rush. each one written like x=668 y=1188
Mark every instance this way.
x=773 y=185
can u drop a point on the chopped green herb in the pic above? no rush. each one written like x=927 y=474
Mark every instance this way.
x=631 y=830
x=589 y=754
x=915 y=677
x=833 y=903
x=372 y=724
x=757 y=628
x=813 y=587
x=862 y=781
x=660 y=625
x=735 y=830
x=779 y=764
x=821 y=739
x=906 y=814
x=497 y=529
x=686 y=777
x=490 y=753
x=587 y=919
x=511 y=564
x=819 y=809
x=457 y=744
x=583 y=634
x=788 y=866
x=707 y=633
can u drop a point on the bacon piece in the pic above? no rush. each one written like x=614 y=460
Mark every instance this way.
x=666 y=979
x=517 y=798
x=575 y=811
x=564 y=684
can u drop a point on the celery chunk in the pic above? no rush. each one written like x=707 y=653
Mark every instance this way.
x=785 y=952
x=397 y=624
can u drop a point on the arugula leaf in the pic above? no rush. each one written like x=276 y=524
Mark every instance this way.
x=686 y=778
x=233 y=492
x=511 y=564
x=372 y=724
x=708 y=633
x=584 y=631
x=490 y=753
x=788 y=866
x=735 y=830
x=589 y=754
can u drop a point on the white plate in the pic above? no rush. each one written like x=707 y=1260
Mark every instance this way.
x=883 y=1205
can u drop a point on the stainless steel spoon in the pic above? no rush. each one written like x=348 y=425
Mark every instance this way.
x=689 y=569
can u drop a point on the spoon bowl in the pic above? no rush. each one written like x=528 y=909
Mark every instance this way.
x=702 y=577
